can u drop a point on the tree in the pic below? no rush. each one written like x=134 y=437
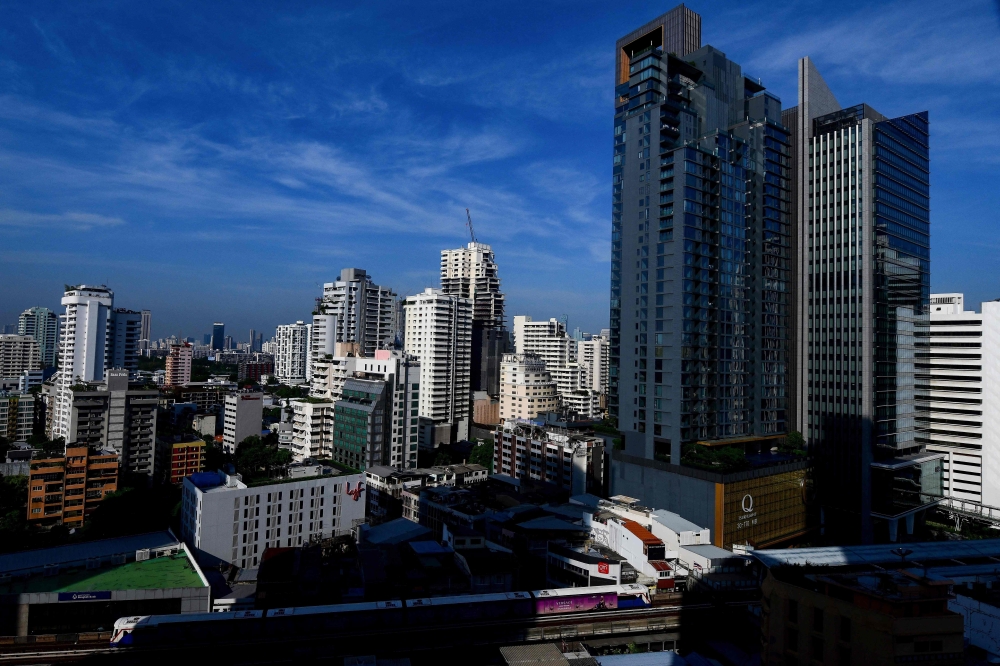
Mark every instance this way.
x=258 y=458
x=442 y=458
x=482 y=454
x=794 y=443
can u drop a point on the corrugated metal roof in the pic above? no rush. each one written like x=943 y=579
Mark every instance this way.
x=647 y=537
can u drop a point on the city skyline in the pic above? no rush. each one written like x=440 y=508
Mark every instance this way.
x=109 y=157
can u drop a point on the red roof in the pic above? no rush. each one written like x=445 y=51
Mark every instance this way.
x=661 y=565
x=647 y=537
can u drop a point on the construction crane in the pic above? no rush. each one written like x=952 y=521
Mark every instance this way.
x=472 y=231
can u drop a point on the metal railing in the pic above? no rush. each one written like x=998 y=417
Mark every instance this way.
x=960 y=509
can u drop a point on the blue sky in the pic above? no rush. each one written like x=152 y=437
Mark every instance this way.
x=220 y=161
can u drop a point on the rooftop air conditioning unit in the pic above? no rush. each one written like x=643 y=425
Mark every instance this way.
x=51 y=569
x=94 y=563
x=142 y=555
x=118 y=559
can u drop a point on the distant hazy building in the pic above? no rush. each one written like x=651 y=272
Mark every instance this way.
x=291 y=360
x=178 y=364
x=958 y=395
x=471 y=272
x=365 y=313
x=526 y=387
x=218 y=335
x=146 y=326
x=439 y=333
x=18 y=354
x=243 y=416
x=43 y=325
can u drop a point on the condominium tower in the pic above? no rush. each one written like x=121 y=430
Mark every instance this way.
x=43 y=325
x=700 y=246
x=471 y=272
x=439 y=334
x=94 y=337
x=291 y=362
x=365 y=313
x=863 y=290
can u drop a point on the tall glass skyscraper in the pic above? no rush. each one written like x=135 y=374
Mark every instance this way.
x=700 y=276
x=218 y=335
x=863 y=288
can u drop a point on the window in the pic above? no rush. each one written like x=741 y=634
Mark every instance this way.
x=793 y=611
x=817 y=619
x=845 y=628
x=817 y=648
x=844 y=656
x=791 y=639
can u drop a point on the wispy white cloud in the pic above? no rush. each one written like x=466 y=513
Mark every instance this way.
x=68 y=220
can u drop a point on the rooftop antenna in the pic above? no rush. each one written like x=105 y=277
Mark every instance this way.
x=472 y=232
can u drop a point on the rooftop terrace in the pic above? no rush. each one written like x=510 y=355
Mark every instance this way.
x=161 y=573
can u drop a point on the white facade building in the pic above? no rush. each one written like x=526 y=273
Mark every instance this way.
x=291 y=360
x=471 y=272
x=594 y=356
x=224 y=519
x=243 y=417
x=82 y=347
x=439 y=334
x=526 y=387
x=43 y=325
x=958 y=396
x=574 y=380
x=364 y=312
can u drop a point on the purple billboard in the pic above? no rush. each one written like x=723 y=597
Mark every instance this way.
x=576 y=603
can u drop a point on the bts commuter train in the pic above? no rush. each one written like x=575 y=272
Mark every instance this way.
x=284 y=623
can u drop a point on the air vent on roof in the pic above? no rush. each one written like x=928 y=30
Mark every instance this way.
x=142 y=555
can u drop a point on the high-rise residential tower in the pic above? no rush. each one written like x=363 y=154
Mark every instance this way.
x=18 y=354
x=471 y=272
x=365 y=313
x=43 y=325
x=700 y=246
x=863 y=289
x=291 y=362
x=178 y=364
x=439 y=335
x=94 y=338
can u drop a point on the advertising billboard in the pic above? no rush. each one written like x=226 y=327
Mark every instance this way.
x=577 y=603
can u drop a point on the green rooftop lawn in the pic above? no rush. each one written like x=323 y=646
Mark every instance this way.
x=156 y=574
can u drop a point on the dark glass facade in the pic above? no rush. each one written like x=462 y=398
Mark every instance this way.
x=700 y=253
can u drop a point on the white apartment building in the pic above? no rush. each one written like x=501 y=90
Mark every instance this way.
x=18 y=354
x=958 y=395
x=312 y=428
x=526 y=387
x=291 y=360
x=439 y=334
x=243 y=416
x=574 y=381
x=572 y=462
x=548 y=339
x=82 y=347
x=366 y=313
x=43 y=325
x=322 y=341
x=594 y=356
x=222 y=518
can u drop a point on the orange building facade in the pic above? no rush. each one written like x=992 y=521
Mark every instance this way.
x=186 y=458
x=65 y=490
